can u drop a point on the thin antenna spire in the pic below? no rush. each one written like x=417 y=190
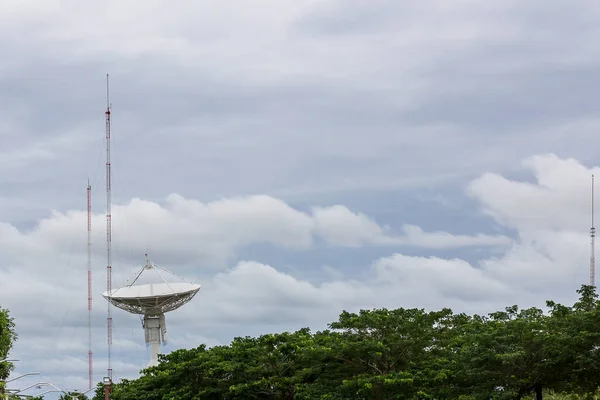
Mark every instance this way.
x=593 y=243
x=89 y=274
x=108 y=229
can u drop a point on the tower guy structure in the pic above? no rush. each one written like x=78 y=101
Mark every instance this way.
x=593 y=243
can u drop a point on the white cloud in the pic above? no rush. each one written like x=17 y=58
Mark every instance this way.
x=340 y=226
x=186 y=229
x=559 y=198
x=415 y=236
x=451 y=279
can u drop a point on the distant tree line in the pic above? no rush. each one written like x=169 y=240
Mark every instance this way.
x=395 y=354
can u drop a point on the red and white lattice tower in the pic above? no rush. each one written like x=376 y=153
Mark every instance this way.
x=151 y=301
x=108 y=231
x=89 y=275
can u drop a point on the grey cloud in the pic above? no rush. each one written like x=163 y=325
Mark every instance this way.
x=352 y=17
x=294 y=123
x=497 y=105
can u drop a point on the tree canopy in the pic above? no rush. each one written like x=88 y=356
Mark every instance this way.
x=7 y=339
x=72 y=396
x=395 y=354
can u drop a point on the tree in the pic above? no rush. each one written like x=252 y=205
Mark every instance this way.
x=514 y=353
x=99 y=392
x=385 y=354
x=578 y=338
x=73 y=396
x=7 y=339
x=272 y=365
x=391 y=353
x=267 y=367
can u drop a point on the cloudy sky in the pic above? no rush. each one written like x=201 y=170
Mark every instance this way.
x=296 y=158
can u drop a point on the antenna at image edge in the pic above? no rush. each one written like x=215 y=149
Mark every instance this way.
x=593 y=243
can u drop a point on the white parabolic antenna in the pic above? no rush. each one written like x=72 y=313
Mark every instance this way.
x=152 y=301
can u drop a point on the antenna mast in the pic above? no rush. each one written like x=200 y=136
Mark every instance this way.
x=593 y=243
x=108 y=230
x=89 y=274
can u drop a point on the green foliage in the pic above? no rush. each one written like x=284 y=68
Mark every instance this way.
x=99 y=392
x=392 y=354
x=508 y=349
x=407 y=354
x=73 y=396
x=7 y=339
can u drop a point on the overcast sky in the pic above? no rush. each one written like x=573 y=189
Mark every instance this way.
x=295 y=158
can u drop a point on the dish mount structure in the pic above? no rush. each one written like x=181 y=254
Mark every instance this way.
x=152 y=301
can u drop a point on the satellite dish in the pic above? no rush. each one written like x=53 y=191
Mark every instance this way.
x=152 y=301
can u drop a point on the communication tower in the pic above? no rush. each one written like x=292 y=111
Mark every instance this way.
x=593 y=243
x=108 y=231
x=152 y=300
x=89 y=276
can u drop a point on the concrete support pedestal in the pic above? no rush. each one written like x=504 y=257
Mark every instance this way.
x=155 y=331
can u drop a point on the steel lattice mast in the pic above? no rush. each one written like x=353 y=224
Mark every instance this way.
x=108 y=230
x=89 y=274
x=593 y=243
